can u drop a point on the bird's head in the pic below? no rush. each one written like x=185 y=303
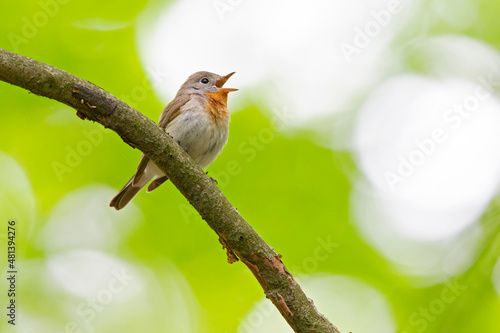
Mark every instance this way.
x=206 y=82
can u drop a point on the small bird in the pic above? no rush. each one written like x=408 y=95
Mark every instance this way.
x=198 y=119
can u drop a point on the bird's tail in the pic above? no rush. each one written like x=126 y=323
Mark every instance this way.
x=127 y=193
x=146 y=171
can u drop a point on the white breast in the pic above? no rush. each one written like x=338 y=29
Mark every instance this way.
x=199 y=134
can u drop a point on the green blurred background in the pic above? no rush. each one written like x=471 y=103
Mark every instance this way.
x=58 y=174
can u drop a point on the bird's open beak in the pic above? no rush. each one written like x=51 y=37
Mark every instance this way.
x=223 y=80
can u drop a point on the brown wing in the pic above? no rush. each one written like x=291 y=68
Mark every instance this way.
x=173 y=109
x=140 y=169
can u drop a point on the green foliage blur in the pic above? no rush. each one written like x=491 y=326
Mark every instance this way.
x=294 y=192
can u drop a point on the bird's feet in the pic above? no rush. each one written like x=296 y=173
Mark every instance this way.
x=213 y=179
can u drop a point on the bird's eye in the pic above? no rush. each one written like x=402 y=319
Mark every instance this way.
x=204 y=80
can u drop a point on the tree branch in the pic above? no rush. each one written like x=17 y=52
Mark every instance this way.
x=94 y=103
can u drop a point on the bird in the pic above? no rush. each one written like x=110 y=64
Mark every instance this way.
x=198 y=119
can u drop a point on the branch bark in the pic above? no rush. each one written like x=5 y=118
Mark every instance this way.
x=236 y=235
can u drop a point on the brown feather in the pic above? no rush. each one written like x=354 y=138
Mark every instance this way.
x=140 y=169
x=173 y=109
x=127 y=193
x=157 y=182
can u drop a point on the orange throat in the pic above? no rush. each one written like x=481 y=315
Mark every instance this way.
x=217 y=104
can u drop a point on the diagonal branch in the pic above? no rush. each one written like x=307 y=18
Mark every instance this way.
x=240 y=239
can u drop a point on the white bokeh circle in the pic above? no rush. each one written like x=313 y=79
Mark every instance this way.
x=456 y=56
x=92 y=291
x=433 y=185
x=82 y=219
x=292 y=53
x=17 y=198
x=428 y=261
x=84 y=273
x=340 y=298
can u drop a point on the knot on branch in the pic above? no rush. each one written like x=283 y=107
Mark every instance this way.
x=96 y=103
x=231 y=256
